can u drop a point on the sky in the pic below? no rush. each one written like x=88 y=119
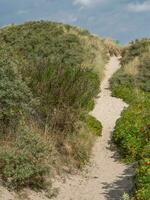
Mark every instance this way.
x=122 y=20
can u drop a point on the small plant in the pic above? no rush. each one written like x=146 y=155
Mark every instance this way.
x=125 y=197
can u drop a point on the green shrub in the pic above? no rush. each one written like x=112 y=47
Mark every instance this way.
x=143 y=180
x=25 y=162
x=94 y=125
x=129 y=134
x=15 y=97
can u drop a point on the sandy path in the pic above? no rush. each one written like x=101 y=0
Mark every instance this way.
x=106 y=177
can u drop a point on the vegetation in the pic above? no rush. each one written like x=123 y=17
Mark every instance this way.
x=132 y=131
x=94 y=125
x=113 y=47
x=25 y=163
x=49 y=75
x=15 y=97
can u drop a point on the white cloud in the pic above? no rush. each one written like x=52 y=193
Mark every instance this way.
x=83 y=2
x=64 y=17
x=87 y=3
x=139 y=7
x=22 y=12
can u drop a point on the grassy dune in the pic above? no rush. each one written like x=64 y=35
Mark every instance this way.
x=49 y=76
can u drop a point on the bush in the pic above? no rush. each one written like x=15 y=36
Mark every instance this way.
x=129 y=134
x=25 y=162
x=15 y=97
x=143 y=180
x=94 y=125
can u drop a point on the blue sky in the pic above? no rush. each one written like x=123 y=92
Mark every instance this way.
x=123 y=20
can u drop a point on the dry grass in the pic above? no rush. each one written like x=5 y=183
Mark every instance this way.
x=67 y=153
x=113 y=48
x=132 y=67
x=96 y=53
x=77 y=148
x=95 y=48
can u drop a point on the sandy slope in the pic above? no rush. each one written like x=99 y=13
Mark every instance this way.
x=106 y=178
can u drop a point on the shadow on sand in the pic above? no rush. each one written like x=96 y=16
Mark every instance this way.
x=115 y=190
